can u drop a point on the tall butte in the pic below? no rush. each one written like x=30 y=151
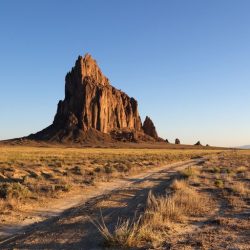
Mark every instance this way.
x=93 y=110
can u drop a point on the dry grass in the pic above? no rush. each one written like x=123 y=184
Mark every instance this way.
x=241 y=169
x=179 y=184
x=36 y=174
x=164 y=214
x=124 y=232
x=189 y=172
x=153 y=227
x=240 y=188
x=236 y=202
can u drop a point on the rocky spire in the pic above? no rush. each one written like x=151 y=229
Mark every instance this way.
x=87 y=67
x=149 y=128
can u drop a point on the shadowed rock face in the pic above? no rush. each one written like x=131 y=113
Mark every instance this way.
x=93 y=108
x=149 y=128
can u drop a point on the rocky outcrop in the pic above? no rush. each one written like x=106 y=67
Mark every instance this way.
x=91 y=102
x=198 y=143
x=93 y=106
x=149 y=128
x=177 y=141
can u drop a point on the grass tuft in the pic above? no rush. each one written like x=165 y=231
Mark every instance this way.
x=152 y=227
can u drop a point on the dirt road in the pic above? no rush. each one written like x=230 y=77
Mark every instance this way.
x=72 y=229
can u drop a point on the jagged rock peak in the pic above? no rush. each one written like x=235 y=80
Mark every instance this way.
x=91 y=102
x=93 y=110
x=87 y=67
x=149 y=128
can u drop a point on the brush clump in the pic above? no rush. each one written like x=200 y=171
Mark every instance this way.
x=152 y=227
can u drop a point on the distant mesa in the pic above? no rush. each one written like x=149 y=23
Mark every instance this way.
x=94 y=110
x=177 y=141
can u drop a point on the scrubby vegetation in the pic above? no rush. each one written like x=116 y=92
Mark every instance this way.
x=212 y=198
x=32 y=175
x=203 y=206
x=153 y=227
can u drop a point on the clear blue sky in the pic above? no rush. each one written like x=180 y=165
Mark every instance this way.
x=186 y=62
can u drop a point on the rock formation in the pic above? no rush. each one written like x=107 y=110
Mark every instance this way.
x=92 y=108
x=149 y=128
x=198 y=143
x=177 y=141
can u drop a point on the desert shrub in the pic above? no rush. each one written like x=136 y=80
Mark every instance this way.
x=188 y=172
x=62 y=187
x=47 y=175
x=45 y=189
x=25 y=179
x=89 y=181
x=76 y=170
x=13 y=190
x=219 y=183
x=97 y=169
x=33 y=174
x=108 y=169
x=216 y=170
x=58 y=164
x=51 y=189
x=120 y=167
x=151 y=228
x=225 y=171
x=10 y=169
